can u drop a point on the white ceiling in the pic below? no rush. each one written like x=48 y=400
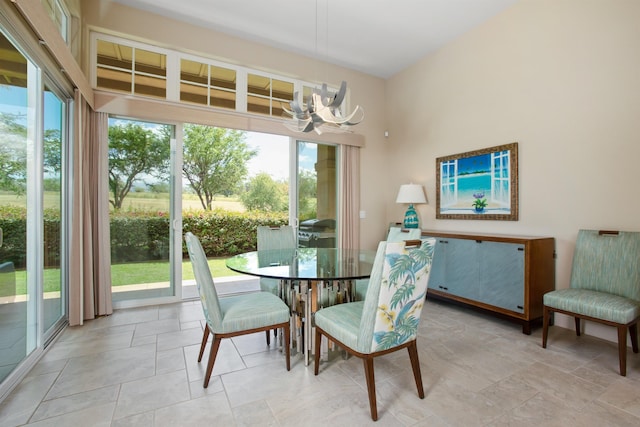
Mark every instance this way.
x=377 y=37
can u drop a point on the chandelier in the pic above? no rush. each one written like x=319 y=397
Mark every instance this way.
x=322 y=112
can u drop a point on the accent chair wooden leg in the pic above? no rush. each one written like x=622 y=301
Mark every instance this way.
x=622 y=349
x=215 y=345
x=316 y=356
x=268 y=333
x=633 y=331
x=545 y=325
x=415 y=364
x=371 y=386
x=205 y=337
x=577 y=319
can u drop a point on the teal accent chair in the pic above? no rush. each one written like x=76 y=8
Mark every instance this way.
x=388 y=318
x=236 y=315
x=604 y=287
x=396 y=234
x=272 y=238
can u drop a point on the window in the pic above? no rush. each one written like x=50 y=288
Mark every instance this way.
x=59 y=15
x=266 y=95
x=131 y=70
x=206 y=84
x=141 y=69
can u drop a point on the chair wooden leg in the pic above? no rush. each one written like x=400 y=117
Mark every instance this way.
x=205 y=336
x=545 y=325
x=622 y=349
x=287 y=345
x=577 y=319
x=415 y=365
x=215 y=345
x=268 y=333
x=633 y=331
x=316 y=356
x=371 y=386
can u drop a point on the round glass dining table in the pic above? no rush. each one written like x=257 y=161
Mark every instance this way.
x=310 y=278
x=316 y=264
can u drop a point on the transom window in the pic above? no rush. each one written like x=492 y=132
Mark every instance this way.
x=127 y=66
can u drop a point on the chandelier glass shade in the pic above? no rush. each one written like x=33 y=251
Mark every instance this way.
x=322 y=112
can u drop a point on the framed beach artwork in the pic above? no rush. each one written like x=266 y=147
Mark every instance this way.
x=481 y=184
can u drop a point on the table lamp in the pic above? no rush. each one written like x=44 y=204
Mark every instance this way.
x=411 y=193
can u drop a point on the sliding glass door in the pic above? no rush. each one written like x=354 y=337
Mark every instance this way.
x=54 y=243
x=33 y=140
x=141 y=217
x=316 y=195
x=18 y=329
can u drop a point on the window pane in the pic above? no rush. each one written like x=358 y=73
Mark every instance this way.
x=193 y=93
x=282 y=90
x=115 y=55
x=150 y=86
x=223 y=99
x=53 y=306
x=258 y=105
x=17 y=299
x=258 y=85
x=223 y=77
x=139 y=194
x=192 y=71
x=151 y=63
x=114 y=80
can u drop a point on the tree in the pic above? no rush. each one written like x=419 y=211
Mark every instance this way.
x=135 y=152
x=215 y=160
x=307 y=194
x=265 y=194
x=13 y=153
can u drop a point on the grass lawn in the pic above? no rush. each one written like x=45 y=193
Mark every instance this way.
x=129 y=274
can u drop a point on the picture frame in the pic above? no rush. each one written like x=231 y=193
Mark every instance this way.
x=480 y=184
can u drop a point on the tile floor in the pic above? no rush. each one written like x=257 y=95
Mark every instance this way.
x=138 y=367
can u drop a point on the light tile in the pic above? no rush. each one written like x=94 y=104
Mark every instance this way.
x=139 y=368
x=151 y=393
x=103 y=369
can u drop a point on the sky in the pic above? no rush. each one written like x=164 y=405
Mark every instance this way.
x=273 y=155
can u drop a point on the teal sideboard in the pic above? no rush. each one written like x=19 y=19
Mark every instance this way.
x=503 y=275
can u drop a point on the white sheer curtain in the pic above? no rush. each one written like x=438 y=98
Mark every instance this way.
x=90 y=263
x=349 y=211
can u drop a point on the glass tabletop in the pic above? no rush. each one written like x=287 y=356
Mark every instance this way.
x=305 y=263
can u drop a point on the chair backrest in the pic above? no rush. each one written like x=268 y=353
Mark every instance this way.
x=204 y=282
x=281 y=237
x=398 y=234
x=395 y=296
x=607 y=262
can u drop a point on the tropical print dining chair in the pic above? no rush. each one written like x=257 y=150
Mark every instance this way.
x=272 y=238
x=388 y=318
x=236 y=315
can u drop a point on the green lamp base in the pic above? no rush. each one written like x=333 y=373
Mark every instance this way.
x=411 y=218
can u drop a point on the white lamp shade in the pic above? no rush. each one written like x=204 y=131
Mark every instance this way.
x=411 y=193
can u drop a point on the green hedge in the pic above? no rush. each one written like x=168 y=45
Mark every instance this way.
x=144 y=235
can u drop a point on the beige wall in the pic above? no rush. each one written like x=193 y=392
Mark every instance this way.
x=560 y=77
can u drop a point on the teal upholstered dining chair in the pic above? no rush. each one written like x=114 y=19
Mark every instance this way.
x=272 y=238
x=388 y=318
x=236 y=315
x=395 y=234
x=604 y=287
